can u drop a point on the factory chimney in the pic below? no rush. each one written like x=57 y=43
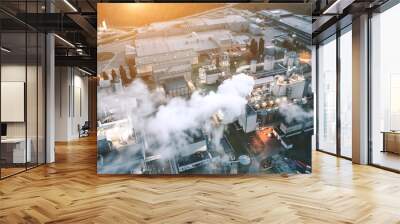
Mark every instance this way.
x=269 y=59
x=253 y=66
x=269 y=62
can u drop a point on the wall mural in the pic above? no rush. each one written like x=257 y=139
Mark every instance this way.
x=204 y=88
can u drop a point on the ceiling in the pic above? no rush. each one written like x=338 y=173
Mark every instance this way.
x=74 y=22
x=332 y=15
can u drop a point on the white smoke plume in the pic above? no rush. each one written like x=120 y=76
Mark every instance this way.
x=180 y=115
x=293 y=112
x=166 y=122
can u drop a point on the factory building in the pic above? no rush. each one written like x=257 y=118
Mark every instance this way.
x=173 y=56
x=256 y=20
x=193 y=155
x=285 y=20
x=269 y=91
x=162 y=59
x=258 y=70
x=209 y=74
x=253 y=66
x=286 y=131
x=269 y=58
x=255 y=29
x=297 y=87
x=292 y=87
x=235 y=23
x=224 y=63
x=176 y=87
x=130 y=53
x=291 y=59
x=264 y=83
x=269 y=61
x=262 y=106
x=248 y=119
x=241 y=41
x=295 y=127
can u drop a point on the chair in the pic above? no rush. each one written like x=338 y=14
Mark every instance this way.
x=84 y=130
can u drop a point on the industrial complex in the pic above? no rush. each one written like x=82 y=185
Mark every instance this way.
x=158 y=69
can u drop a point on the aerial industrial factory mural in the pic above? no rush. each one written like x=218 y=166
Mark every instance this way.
x=204 y=89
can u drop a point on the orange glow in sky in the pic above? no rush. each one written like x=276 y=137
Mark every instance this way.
x=139 y=14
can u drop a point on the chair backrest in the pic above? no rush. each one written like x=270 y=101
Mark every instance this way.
x=86 y=125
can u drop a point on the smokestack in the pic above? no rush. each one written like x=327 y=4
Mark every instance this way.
x=253 y=66
x=268 y=63
x=269 y=59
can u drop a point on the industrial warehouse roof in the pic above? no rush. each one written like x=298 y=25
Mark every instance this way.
x=270 y=33
x=263 y=80
x=298 y=23
x=175 y=83
x=275 y=13
x=242 y=39
x=194 y=22
x=250 y=110
x=198 y=41
x=213 y=71
x=158 y=45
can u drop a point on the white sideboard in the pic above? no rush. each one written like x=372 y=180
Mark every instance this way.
x=19 y=153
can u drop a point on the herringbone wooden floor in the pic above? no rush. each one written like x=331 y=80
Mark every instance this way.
x=69 y=191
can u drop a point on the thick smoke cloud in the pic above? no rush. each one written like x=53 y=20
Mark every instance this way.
x=166 y=122
x=293 y=112
x=180 y=115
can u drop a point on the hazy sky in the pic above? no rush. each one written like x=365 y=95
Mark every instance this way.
x=138 y=14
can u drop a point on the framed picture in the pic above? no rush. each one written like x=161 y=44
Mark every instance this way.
x=219 y=89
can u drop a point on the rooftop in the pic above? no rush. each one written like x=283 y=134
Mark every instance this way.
x=194 y=22
x=175 y=83
x=198 y=41
x=275 y=12
x=212 y=71
x=298 y=23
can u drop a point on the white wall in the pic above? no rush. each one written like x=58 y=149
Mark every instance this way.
x=14 y=73
x=62 y=81
x=71 y=103
x=33 y=126
x=80 y=109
